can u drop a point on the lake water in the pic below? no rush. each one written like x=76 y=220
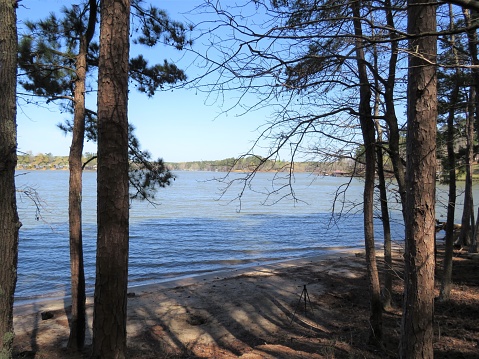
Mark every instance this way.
x=193 y=230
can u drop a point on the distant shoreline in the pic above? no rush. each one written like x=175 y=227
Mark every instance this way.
x=341 y=167
x=325 y=174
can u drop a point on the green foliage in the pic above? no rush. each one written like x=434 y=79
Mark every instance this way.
x=47 y=73
x=47 y=52
x=149 y=78
x=156 y=27
x=250 y=163
x=41 y=161
x=145 y=175
x=450 y=79
x=47 y=56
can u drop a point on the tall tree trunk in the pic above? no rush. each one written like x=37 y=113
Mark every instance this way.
x=467 y=224
x=9 y=223
x=446 y=282
x=368 y=131
x=77 y=321
x=388 y=263
x=471 y=18
x=109 y=318
x=474 y=247
x=76 y=339
x=387 y=287
x=418 y=309
x=390 y=115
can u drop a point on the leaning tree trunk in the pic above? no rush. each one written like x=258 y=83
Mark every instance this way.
x=109 y=318
x=9 y=223
x=418 y=307
x=368 y=131
x=76 y=339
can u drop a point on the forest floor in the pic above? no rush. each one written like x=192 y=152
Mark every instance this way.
x=260 y=313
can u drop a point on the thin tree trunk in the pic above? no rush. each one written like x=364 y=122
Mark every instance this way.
x=446 y=282
x=390 y=115
x=467 y=224
x=368 y=131
x=474 y=247
x=9 y=223
x=418 y=308
x=471 y=18
x=109 y=318
x=387 y=287
x=388 y=263
x=76 y=339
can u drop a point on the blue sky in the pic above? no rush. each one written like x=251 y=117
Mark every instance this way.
x=178 y=125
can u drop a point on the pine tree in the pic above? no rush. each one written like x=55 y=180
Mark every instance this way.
x=109 y=317
x=9 y=222
x=57 y=55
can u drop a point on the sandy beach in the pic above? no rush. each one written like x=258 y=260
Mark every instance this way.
x=310 y=308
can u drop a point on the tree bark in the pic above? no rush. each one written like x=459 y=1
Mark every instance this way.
x=387 y=286
x=388 y=263
x=77 y=320
x=418 y=309
x=390 y=115
x=446 y=281
x=471 y=18
x=109 y=319
x=368 y=131
x=9 y=222
x=467 y=223
x=466 y=236
x=76 y=339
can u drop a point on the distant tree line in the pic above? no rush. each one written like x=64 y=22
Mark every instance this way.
x=260 y=164
x=46 y=161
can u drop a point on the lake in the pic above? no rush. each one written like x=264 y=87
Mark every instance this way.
x=193 y=229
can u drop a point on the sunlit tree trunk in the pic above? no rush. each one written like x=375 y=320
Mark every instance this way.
x=418 y=307
x=9 y=223
x=76 y=339
x=109 y=318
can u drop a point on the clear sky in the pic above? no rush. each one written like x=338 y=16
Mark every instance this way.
x=179 y=125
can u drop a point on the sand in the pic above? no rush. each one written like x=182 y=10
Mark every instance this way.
x=240 y=313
